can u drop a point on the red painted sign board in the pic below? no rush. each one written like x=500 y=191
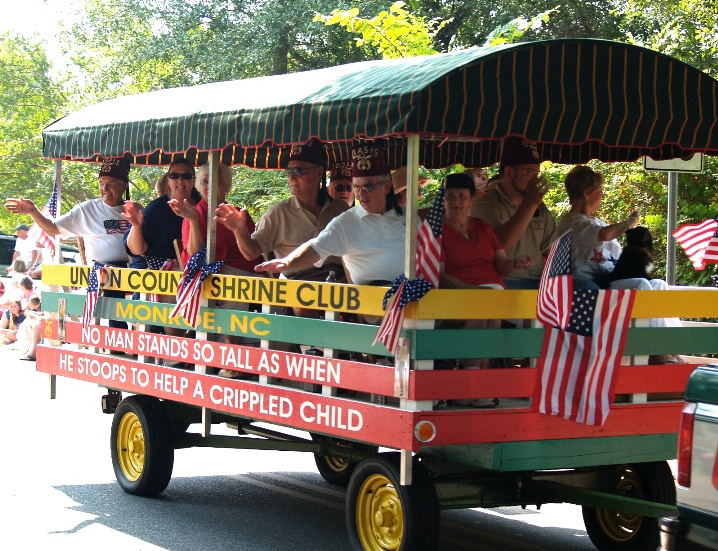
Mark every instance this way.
x=246 y=359
x=350 y=419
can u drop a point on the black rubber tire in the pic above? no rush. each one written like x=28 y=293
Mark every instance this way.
x=409 y=514
x=141 y=446
x=612 y=531
x=335 y=470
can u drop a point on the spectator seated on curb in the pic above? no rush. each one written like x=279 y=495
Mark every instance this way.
x=11 y=321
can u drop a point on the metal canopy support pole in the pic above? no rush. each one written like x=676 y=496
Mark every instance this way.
x=58 y=259
x=211 y=256
x=58 y=180
x=412 y=204
x=412 y=219
x=212 y=206
x=672 y=221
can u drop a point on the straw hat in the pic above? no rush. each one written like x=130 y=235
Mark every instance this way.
x=399 y=180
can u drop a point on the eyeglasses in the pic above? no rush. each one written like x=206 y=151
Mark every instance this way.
x=368 y=187
x=341 y=188
x=296 y=172
x=531 y=172
x=180 y=175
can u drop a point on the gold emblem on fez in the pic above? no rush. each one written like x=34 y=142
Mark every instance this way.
x=108 y=164
x=296 y=150
x=362 y=157
x=363 y=163
x=532 y=147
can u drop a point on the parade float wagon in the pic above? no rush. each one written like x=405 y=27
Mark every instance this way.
x=372 y=424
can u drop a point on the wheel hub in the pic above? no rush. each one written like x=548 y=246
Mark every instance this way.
x=380 y=521
x=130 y=446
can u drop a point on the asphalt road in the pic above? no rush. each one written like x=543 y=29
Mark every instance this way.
x=59 y=490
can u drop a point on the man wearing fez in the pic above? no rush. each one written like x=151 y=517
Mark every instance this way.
x=98 y=221
x=516 y=212
x=368 y=237
x=290 y=223
x=340 y=182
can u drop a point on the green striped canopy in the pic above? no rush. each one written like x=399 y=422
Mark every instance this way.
x=578 y=99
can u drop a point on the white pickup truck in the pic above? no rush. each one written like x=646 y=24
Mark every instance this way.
x=696 y=525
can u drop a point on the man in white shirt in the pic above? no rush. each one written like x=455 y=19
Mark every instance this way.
x=25 y=248
x=368 y=237
x=98 y=221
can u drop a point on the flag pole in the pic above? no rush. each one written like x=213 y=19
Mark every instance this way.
x=672 y=220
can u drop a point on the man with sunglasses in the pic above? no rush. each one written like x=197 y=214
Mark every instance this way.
x=368 y=237
x=340 y=182
x=98 y=221
x=288 y=224
x=516 y=212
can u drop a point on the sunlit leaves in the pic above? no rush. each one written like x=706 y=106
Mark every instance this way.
x=392 y=34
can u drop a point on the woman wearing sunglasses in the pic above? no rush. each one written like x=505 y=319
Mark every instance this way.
x=194 y=226
x=153 y=230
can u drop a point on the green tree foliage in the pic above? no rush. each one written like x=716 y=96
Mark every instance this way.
x=28 y=102
x=685 y=29
x=392 y=34
x=165 y=43
x=471 y=23
x=127 y=46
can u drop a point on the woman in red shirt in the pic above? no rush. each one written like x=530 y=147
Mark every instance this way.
x=472 y=255
x=194 y=226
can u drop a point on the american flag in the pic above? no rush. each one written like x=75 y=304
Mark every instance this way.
x=554 y=300
x=189 y=290
x=700 y=241
x=403 y=291
x=155 y=263
x=583 y=343
x=97 y=275
x=428 y=245
x=36 y=233
x=115 y=226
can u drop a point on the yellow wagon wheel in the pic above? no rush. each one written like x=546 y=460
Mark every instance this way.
x=379 y=515
x=337 y=470
x=383 y=515
x=141 y=446
x=130 y=446
x=618 y=531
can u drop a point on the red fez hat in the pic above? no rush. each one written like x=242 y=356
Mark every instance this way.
x=519 y=151
x=369 y=160
x=341 y=170
x=310 y=152
x=116 y=168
